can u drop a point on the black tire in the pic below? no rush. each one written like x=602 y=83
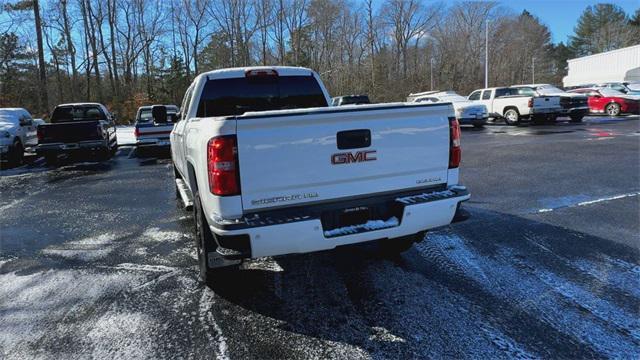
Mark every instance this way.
x=612 y=109
x=395 y=247
x=51 y=159
x=576 y=118
x=511 y=117
x=538 y=120
x=478 y=125
x=103 y=154
x=16 y=156
x=205 y=243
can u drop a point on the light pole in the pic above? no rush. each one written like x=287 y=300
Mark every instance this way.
x=533 y=70
x=486 y=54
x=431 y=74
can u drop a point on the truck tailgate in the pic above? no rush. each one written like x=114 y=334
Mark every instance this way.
x=546 y=103
x=322 y=155
x=69 y=132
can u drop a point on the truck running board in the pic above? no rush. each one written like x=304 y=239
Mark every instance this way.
x=185 y=194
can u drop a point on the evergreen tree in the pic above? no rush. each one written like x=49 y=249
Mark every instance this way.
x=602 y=27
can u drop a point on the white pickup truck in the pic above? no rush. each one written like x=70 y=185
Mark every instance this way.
x=269 y=169
x=513 y=106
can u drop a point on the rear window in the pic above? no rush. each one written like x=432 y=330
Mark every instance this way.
x=355 y=100
x=506 y=92
x=226 y=97
x=77 y=113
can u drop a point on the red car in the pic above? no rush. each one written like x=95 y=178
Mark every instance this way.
x=610 y=102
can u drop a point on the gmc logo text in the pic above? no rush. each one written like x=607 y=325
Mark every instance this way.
x=348 y=157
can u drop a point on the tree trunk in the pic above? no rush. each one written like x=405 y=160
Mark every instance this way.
x=44 y=105
x=70 y=49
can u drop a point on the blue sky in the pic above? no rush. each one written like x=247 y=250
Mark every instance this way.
x=561 y=15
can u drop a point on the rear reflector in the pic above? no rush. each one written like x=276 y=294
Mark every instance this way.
x=136 y=132
x=455 y=152
x=222 y=164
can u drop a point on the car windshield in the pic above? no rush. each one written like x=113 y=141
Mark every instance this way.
x=77 y=113
x=236 y=96
x=548 y=90
x=610 y=92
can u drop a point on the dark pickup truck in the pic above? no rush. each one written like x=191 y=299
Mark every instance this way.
x=78 y=128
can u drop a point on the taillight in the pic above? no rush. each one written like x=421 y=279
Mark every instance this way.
x=222 y=164
x=136 y=132
x=530 y=103
x=455 y=152
x=40 y=133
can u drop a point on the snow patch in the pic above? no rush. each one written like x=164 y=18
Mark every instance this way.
x=163 y=235
x=368 y=226
x=206 y=301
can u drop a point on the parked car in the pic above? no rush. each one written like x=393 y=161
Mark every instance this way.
x=78 y=128
x=511 y=105
x=350 y=100
x=610 y=102
x=153 y=125
x=281 y=172
x=17 y=133
x=573 y=105
x=623 y=87
x=467 y=112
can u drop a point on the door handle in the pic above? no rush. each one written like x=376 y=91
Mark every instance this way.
x=353 y=139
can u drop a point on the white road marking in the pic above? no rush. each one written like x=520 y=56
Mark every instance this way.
x=591 y=202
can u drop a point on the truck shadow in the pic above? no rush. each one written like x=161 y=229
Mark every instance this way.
x=517 y=285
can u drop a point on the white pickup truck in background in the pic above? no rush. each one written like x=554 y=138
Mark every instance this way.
x=511 y=105
x=467 y=112
x=270 y=169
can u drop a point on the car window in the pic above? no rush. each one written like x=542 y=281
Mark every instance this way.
x=486 y=95
x=145 y=115
x=185 y=103
x=475 y=95
x=526 y=91
x=77 y=113
x=236 y=96
x=505 y=92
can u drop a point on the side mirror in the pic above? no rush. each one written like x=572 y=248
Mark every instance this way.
x=26 y=122
x=159 y=113
x=178 y=116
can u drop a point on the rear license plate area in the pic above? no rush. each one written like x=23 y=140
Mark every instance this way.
x=357 y=219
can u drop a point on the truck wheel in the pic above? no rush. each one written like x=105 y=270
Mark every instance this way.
x=576 y=118
x=394 y=247
x=17 y=153
x=511 y=117
x=612 y=109
x=478 y=125
x=205 y=244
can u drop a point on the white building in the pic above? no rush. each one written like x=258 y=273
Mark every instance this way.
x=611 y=66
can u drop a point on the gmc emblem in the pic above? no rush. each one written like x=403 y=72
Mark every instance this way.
x=348 y=157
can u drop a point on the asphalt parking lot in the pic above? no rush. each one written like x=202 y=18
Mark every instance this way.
x=97 y=260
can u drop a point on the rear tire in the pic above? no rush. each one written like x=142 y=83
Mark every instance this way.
x=478 y=125
x=511 y=117
x=205 y=243
x=16 y=157
x=576 y=118
x=396 y=246
x=612 y=109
